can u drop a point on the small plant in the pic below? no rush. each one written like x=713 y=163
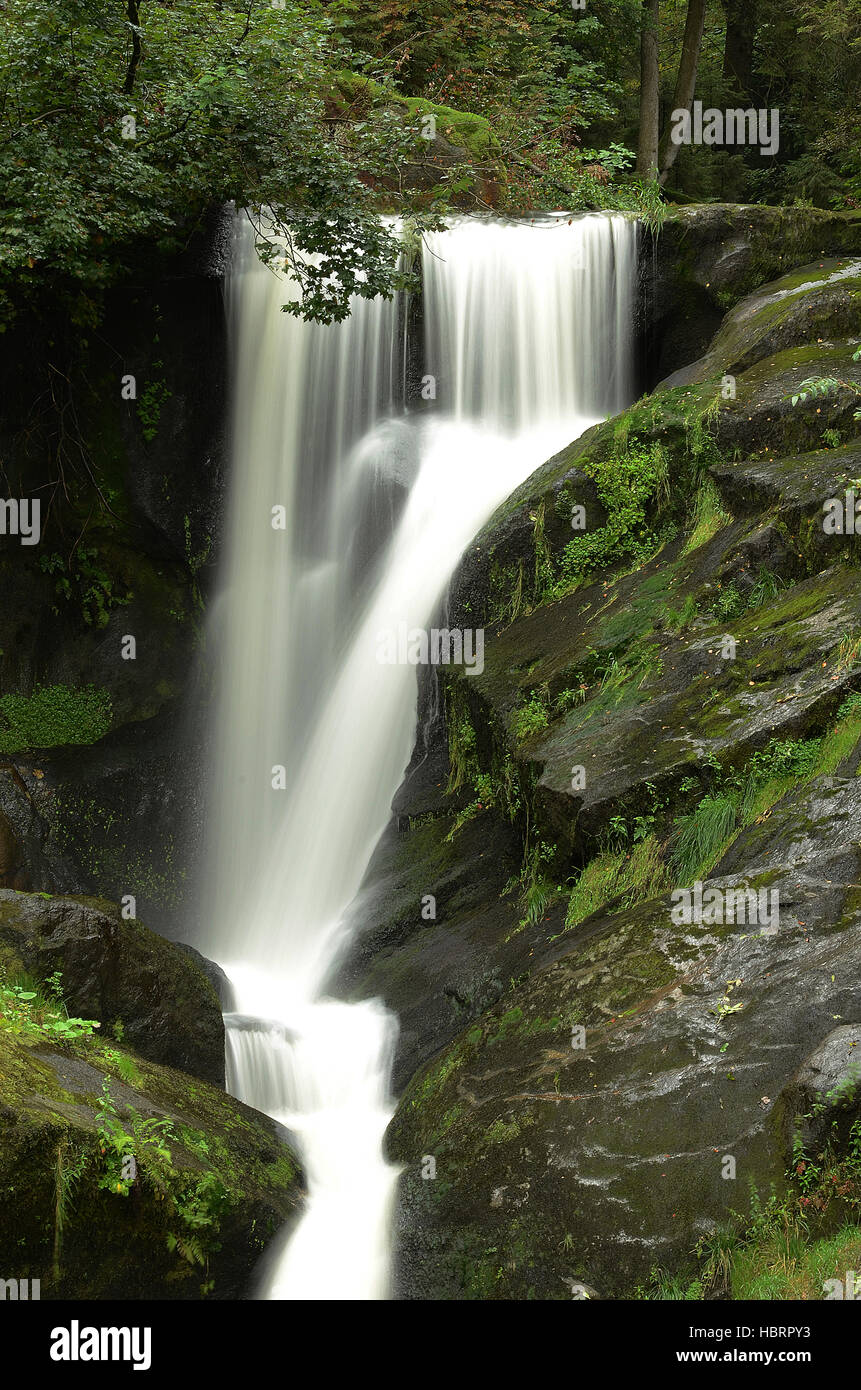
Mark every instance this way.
x=36 y=1013
x=766 y=587
x=532 y=717
x=678 y=620
x=147 y=1140
x=726 y=1006
x=123 y=1065
x=849 y=651
x=710 y=516
x=729 y=603
x=701 y=834
x=818 y=387
x=151 y=402
x=67 y=1174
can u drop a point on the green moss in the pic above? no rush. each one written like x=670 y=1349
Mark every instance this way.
x=54 y=716
x=461 y=129
x=151 y=402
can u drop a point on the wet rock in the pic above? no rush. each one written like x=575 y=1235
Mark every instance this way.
x=593 y=1157
x=826 y=1089
x=438 y=973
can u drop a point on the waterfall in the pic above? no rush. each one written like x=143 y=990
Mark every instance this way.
x=348 y=514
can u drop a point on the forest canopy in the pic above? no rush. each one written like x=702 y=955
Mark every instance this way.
x=123 y=122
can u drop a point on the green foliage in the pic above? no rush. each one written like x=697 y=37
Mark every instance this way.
x=532 y=717
x=83 y=580
x=147 y=1140
x=729 y=603
x=150 y=402
x=463 y=762
x=138 y=1150
x=701 y=834
x=68 y=1172
x=678 y=619
x=536 y=891
x=620 y=877
x=820 y=387
x=34 y=1012
x=124 y=1066
x=709 y=516
x=738 y=797
x=54 y=716
x=116 y=135
x=630 y=480
x=665 y=1287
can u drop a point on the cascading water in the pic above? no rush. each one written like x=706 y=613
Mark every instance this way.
x=348 y=515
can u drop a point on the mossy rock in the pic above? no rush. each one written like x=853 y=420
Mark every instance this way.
x=123 y=816
x=708 y=257
x=460 y=139
x=595 y=1157
x=190 y=1226
x=117 y=971
x=818 y=301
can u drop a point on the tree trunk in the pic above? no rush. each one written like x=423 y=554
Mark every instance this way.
x=686 y=80
x=134 y=20
x=741 y=17
x=647 y=144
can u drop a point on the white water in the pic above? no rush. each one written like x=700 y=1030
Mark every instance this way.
x=527 y=335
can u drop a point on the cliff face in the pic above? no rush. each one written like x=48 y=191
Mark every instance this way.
x=120 y=432
x=668 y=700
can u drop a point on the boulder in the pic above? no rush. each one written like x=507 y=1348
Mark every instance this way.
x=184 y=1209
x=118 y=972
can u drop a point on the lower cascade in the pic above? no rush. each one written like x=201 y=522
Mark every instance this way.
x=350 y=509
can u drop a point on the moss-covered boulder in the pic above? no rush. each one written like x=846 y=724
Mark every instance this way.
x=120 y=973
x=448 y=147
x=120 y=1179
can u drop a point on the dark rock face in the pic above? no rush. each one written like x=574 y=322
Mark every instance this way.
x=115 y=970
x=826 y=1089
x=107 y=805
x=121 y=817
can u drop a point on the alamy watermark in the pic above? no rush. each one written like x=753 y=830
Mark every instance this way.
x=21 y=1290
x=842 y=515
x=416 y=646
x=21 y=517
x=731 y=127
